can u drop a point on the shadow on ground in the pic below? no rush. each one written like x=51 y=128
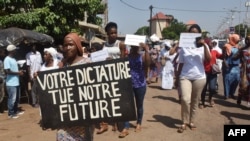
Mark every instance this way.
x=167 y=98
x=166 y=120
x=231 y=115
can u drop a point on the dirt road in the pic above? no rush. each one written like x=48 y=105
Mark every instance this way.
x=160 y=122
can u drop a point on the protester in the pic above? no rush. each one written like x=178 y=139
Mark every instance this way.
x=139 y=64
x=175 y=50
x=244 y=84
x=12 y=82
x=59 y=52
x=218 y=61
x=154 y=69
x=231 y=67
x=191 y=78
x=211 y=77
x=34 y=62
x=168 y=67
x=50 y=60
x=116 y=49
x=73 y=56
x=2 y=92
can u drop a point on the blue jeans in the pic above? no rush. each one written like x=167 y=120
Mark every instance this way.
x=211 y=82
x=139 y=94
x=13 y=99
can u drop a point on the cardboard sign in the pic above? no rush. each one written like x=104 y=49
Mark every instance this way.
x=187 y=40
x=134 y=40
x=86 y=94
x=100 y=55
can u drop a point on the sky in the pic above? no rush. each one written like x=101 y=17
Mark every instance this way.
x=212 y=15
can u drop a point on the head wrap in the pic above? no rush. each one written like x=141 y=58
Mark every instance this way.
x=166 y=43
x=77 y=41
x=52 y=51
x=233 y=41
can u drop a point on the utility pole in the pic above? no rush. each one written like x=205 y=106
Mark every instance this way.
x=150 y=20
x=247 y=5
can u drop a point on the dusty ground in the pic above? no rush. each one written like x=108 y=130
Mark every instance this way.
x=160 y=122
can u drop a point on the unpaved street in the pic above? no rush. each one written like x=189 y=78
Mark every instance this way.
x=160 y=122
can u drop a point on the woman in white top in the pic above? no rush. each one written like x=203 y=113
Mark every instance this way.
x=115 y=48
x=50 y=59
x=191 y=78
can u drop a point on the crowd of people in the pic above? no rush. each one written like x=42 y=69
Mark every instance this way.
x=191 y=71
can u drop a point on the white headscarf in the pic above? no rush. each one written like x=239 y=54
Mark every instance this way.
x=217 y=48
x=52 y=51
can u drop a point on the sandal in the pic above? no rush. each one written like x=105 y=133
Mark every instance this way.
x=192 y=126
x=102 y=130
x=114 y=127
x=201 y=106
x=182 y=128
x=138 y=128
x=123 y=134
x=212 y=103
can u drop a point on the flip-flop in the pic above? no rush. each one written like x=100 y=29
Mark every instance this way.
x=102 y=130
x=182 y=128
x=192 y=126
x=123 y=134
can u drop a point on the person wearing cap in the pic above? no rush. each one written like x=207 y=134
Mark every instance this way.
x=12 y=82
x=34 y=62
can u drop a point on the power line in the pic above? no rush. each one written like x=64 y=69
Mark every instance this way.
x=133 y=6
x=184 y=10
x=188 y=10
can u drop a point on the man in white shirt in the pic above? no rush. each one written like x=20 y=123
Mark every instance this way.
x=34 y=62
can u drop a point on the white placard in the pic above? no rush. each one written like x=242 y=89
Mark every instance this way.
x=99 y=55
x=188 y=39
x=134 y=40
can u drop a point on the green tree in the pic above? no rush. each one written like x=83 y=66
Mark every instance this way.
x=52 y=17
x=143 y=31
x=174 y=30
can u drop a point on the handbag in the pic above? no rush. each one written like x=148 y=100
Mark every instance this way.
x=216 y=69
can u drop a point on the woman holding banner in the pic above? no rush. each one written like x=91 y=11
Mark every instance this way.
x=73 y=56
x=191 y=77
x=139 y=65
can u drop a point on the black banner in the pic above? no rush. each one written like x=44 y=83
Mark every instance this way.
x=86 y=94
x=236 y=132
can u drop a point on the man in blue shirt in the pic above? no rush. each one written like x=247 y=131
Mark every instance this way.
x=12 y=82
